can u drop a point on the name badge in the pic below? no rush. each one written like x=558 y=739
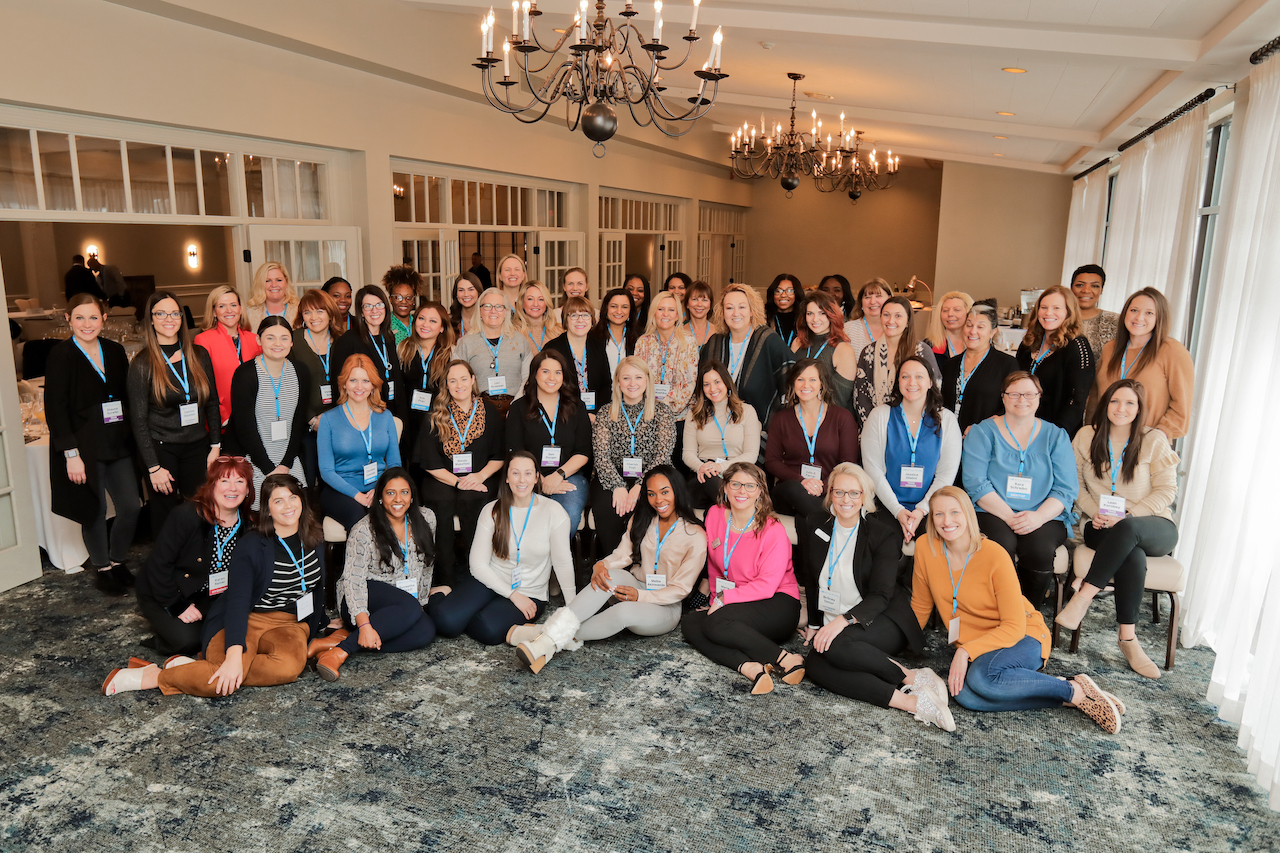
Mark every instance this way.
x=822 y=534
x=189 y=414
x=810 y=472
x=409 y=585
x=370 y=473
x=497 y=384
x=218 y=582
x=1111 y=505
x=912 y=477
x=1019 y=487
x=829 y=601
x=550 y=456
x=462 y=463
x=652 y=582
x=112 y=412
x=391 y=390
x=724 y=584
x=953 y=630
x=304 y=606
x=326 y=394
x=661 y=390
x=517 y=575
x=421 y=400
x=632 y=466
x=279 y=430
x=589 y=400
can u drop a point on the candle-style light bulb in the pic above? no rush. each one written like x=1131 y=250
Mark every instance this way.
x=525 y=8
x=657 y=21
x=515 y=18
x=693 y=25
x=506 y=59
x=484 y=34
x=717 y=47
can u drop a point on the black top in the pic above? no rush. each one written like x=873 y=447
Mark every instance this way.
x=303 y=354
x=573 y=434
x=763 y=375
x=1065 y=375
x=416 y=379
x=74 y=394
x=982 y=391
x=784 y=323
x=489 y=446
x=176 y=574
x=152 y=423
x=481 y=272
x=252 y=568
x=81 y=280
x=352 y=343
x=875 y=572
x=243 y=426
x=599 y=377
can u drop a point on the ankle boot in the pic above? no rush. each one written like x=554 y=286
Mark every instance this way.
x=557 y=634
x=323 y=644
x=523 y=634
x=1072 y=615
x=1138 y=660
x=329 y=662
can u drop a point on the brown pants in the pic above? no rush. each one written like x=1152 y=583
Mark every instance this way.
x=275 y=652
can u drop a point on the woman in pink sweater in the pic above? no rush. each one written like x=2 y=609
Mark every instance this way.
x=755 y=601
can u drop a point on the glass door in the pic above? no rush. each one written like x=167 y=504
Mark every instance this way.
x=433 y=252
x=311 y=254
x=672 y=247
x=613 y=255
x=556 y=252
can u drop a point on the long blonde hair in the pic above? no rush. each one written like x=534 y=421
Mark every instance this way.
x=258 y=291
x=615 y=406
x=651 y=327
x=970 y=520
x=523 y=323
x=754 y=301
x=210 y=319
x=936 y=334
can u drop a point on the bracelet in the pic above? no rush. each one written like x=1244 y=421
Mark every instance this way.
x=363 y=624
x=153 y=470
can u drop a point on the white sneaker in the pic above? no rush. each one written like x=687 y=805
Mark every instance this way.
x=927 y=679
x=928 y=711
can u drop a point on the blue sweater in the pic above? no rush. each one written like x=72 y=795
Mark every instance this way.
x=343 y=454
x=989 y=460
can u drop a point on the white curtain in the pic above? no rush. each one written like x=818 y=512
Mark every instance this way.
x=1153 y=216
x=1228 y=514
x=1084 y=228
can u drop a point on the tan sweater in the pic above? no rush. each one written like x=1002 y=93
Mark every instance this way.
x=742 y=438
x=684 y=556
x=1154 y=484
x=1169 y=381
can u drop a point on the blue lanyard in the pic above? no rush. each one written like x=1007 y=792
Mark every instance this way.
x=631 y=426
x=1022 y=451
x=665 y=349
x=328 y=351
x=622 y=350
x=426 y=366
x=462 y=436
x=833 y=561
x=963 y=381
x=101 y=373
x=723 y=446
x=915 y=439
x=1115 y=468
x=551 y=424
x=1125 y=366
x=955 y=582
x=950 y=351
x=181 y=377
x=404 y=546
x=283 y=313
x=239 y=354
x=524 y=527
x=297 y=562
x=728 y=552
x=811 y=441
x=1044 y=353
x=778 y=325
x=275 y=386
x=661 y=541
x=868 y=326
x=493 y=350
x=366 y=433
x=220 y=545
x=809 y=353
x=580 y=365
x=380 y=348
x=542 y=340
x=735 y=363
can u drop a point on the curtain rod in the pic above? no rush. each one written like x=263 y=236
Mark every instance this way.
x=1095 y=167
x=1263 y=53
x=1190 y=105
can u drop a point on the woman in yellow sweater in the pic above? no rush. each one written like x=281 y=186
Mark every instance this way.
x=1001 y=640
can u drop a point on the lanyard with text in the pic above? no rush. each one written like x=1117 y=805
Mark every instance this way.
x=809 y=353
x=1126 y=365
x=523 y=528
x=275 y=386
x=723 y=445
x=662 y=540
x=328 y=351
x=181 y=377
x=811 y=441
x=1022 y=451
x=632 y=426
x=366 y=434
x=298 y=562
x=1115 y=460
x=493 y=350
x=102 y=374
x=833 y=556
x=1044 y=353
x=462 y=436
x=550 y=424
x=789 y=338
x=220 y=544
x=915 y=439
x=963 y=381
x=728 y=525
x=955 y=582
x=380 y=349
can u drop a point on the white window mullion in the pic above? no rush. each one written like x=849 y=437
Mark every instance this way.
x=35 y=164
x=75 y=170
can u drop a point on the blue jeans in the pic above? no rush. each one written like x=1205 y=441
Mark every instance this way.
x=1009 y=680
x=574 y=503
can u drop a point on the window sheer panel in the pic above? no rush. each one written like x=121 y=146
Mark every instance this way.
x=55 y=169
x=148 y=177
x=185 y=193
x=17 y=170
x=287 y=189
x=311 y=190
x=101 y=174
x=1084 y=227
x=215 y=182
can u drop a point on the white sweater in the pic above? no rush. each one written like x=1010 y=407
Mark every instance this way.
x=545 y=545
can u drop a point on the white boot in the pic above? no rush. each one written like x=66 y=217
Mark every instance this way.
x=557 y=634
x=523 y=634
x=124 y=680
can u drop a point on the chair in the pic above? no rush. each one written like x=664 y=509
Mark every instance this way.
x=1164 y=575
x=27 y=304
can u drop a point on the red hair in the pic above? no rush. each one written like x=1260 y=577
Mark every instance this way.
x=363 y=362
x=222 y=467
x=823 y=300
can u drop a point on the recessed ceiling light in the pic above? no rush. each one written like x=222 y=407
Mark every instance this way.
x=820 y=96
x=1015 y=70
x=1002 y=113
x=996 y=154
x=1001 y=137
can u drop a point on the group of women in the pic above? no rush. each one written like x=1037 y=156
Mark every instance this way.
x=682 y=423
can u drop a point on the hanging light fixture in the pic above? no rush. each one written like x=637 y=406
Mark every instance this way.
x=610 y=67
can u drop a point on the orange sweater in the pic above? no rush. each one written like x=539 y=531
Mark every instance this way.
x=1170 y=383
x=993 y=612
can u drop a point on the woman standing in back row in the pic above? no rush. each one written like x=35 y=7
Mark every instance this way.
x=1058 y=355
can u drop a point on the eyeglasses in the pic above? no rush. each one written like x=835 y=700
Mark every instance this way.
x=786 y=291
x=841 y=494
x=230 y=459
x=1028 y=396
x=402 y=298
x=374 y=308
x=582 y=315
x=499 y=307
x=166 y=315
x=737 y=486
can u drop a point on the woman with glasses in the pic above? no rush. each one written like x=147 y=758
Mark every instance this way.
x=534 y=318
x=403 y=284
x=173 y=408
x=820 y=336
x=425 y=354
x=314 y=332
x=719 y=431
x=755 y=354
x=755 y=603
x=227 y=339
x=859 y=606
x=464 y=310
x=356 y=441
x=1058 y=355
x=498 y=354
x=1021 y=472
x=878 y=363
x=590 y=378
x=780 y=307
x=971 y=383
x=271 y=295
x=371 y=337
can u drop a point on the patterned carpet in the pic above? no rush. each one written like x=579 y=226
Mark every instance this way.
x=626 y=745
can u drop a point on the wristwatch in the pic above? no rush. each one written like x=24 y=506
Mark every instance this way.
x=71 y=454
x=560 y=471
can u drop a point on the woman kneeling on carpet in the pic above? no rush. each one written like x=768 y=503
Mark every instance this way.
x=755 y=602
x=1001 y=640
x=854 y=593
x=519 y=539
x=390 y=556
x=648 y=575
x=257 y=630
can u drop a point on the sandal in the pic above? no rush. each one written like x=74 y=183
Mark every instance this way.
x=791 y=675
x=762 y=683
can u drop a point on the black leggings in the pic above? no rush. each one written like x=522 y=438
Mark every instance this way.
x=747 y=631
x=1120 y=558
x=188 y=464
x=466 y=506
x=485 y=616
x=341 y=508
x=858 y=664
x=706 y=494
x=396 y=615
x=117 y=478
x=1033 y=553
x=173 y=636
x=610 y=527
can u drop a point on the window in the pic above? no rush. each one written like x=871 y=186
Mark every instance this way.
x=102 y=175
x=149 y=177
x=55 y=168
x=17 y=170
x=1206 y=227
x=1106 y=225
x=622 y=213
x=284 y=189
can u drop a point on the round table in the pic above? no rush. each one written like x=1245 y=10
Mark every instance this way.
x=59 y=537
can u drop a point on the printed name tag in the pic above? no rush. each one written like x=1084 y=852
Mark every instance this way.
x=589 y=400
x=462 y=463
x=421 y=400
x=112 y=412
x=724 y=584
x=550 y=456
x=953 y=630
x=497 y=384
x=370 y=473
x=652 y=582
x=1112 y=505
x=326 y=394
x=632 y=466
x=829 y=602
x=304 y=606
x=409 y=585
x=218 y=582
x=661 y=390
x=517 y=575
x=189 y=414
x=279 y=430
x=1019 y=487
x=822 y=534
x=912 y=477
x=391 y=390
x=810 y=472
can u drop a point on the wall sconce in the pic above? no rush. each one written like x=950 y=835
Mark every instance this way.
x=90 y=251
x=193 y=256
x=397 y=190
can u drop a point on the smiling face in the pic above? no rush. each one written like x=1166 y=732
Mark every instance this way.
x=676 y=286
x=737 y=311
x=575 y=284
x=978 y=333
x=166 y=319
x=493 y=313
x=374 y=311
x=1052 y=312
x=808 y=385
x=460 y=383
x=359 y=385
x=511 y=273
x=550 y=376
x=846 y=498
x=467 y=294
x=660 y=496
x=914 y=381
x=316 y=319
x=1140 y=319
x=713 y=387
x=275 y=286
x=632 y=382
x=534 y=303
x=1087 y=287
x=618 y=310
x=742 y=490
x=1123 y=407
x=402 y=296
x=784 y=298
x=396 y=498
x=817 y=319
x=284 y=507
x=832 y=288
x=893 y=319
x=953 y=314
x=86 y=321
x=667 y=313
x=948 y=518
x=635 y=287
x=872 y=301
x=227 y=310
x=427 y=325
x=1021 y=399
x=699 y=305
x=579 y=323
x=230 y=492
x=341 y=293
x=522 y=475
x=276 y=342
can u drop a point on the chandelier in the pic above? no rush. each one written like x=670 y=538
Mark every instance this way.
x=608 y=66
x=836 y=163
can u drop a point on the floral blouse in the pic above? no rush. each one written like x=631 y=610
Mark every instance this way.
x=681 y=369
x=655 y=439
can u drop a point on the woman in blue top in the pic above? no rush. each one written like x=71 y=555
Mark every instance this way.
x=357 y=442
x=911 y=448
x=1021 y=473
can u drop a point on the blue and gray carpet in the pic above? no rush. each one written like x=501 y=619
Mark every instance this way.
x=626 y=745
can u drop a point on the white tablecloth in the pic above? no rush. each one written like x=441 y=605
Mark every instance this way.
x=1010 y=338
x=58 y=536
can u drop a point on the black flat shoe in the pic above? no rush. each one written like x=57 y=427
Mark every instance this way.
x=120 y=571
x=106 y=581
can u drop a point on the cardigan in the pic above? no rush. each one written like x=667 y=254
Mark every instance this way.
x=762 y=375
x=573 y=433
x=245 y=431
x=1170 y=383
x=989 y=460
x=786 y=448
x=1153 y=488
x=611 y=441
x=599 y=376
x=354 y=342
x=163 y=423
x=684 y=554
x=73 y=398
x=868 y=391
x=981 y=398
x=874 y=443
x=249 y=578
x=514 y=355
x=681 y=369
x=177 y=569
x=992 y=610
x=488 y=447
x=222 y=352
x=363 y=565
x=544 y=546
x=343 y=454
x=318 y=377
x=875 y=573
x=741 y=441
x=761 y=562
x=1066 y=375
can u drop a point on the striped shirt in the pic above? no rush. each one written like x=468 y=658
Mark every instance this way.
x=285 y=587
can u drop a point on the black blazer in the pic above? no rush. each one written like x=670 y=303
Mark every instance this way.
x=875 y=571
x=573 y=434
x=489 y=446
x=244 y=419
x=177 y=570
x=599 y=378
x=1066 y=375
x=982 y=393
x=764 y=368
x=354 y=342
x=73 y=398
x=252 y=566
